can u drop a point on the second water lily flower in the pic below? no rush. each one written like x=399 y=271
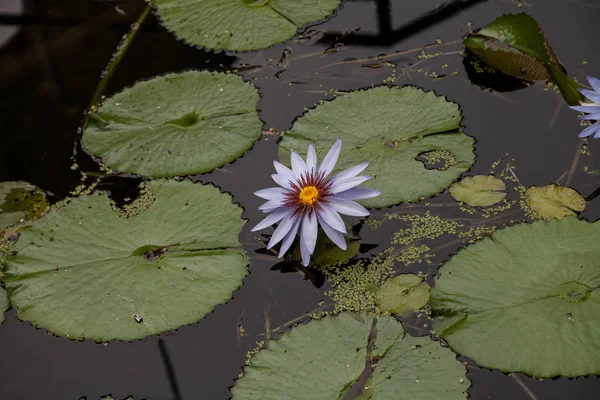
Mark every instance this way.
x=307 y=198
x=592 y=108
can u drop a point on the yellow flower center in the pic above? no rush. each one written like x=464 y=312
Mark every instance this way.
x=308 y=195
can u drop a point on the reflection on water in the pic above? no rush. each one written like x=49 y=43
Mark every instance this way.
x=50 y=69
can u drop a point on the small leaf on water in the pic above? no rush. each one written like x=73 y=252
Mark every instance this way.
x=479 y=190
x=554 y=202
x=324 y=358
x=402 y=294
x=525 y=299
x=240 y=25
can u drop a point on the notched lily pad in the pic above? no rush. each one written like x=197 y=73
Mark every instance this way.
x=240 y=25
x=390 y=127
x=515 y=45
x=327 y=356
x=175 y=125
x=84 y=272
x=402 y=294
x=525 y=299
x=20 y=202
x=553 y=202
x=479 y=190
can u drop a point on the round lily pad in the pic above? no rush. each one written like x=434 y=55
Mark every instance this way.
x=20 y=202
x=176 y=124
x=403 y=294
x=389 y=127
x=240 y=25
x=324 y=358
x=85 y=272
x=553 y=202
x=479 y=190
x=4 y=303
x=526 y=299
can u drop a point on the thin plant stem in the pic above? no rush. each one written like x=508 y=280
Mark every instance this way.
x=117 y=57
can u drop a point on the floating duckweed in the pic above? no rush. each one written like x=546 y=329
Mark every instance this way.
x=443 y=157
x=137 y=206
x=353 y=286
x=424 y=226
x=259 y=346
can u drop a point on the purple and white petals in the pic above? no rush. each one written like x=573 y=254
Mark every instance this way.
x=335 y=236
x=282 y=181
x=329 y=215
x=358 y=193
x=271 y=193
x=289 y=238
x=592 y=109
x=311 y=158
x=350 y=172
x=272 y=218
x=282 y=230
x=345 y=184
x=298 y=165
x=331 y=158
x=297 y=210
x=348 y=207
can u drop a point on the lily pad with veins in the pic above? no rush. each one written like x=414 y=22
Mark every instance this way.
x=85 y=272
x=175 y=125
x=479 y=190
x=240 y=25
x=553 y=202
x=525 y=299
x=352 y=355
x=390 y=127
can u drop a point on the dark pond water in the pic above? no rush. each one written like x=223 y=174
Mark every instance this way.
x=50 y=68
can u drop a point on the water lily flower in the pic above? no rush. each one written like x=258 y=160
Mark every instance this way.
x=592 y=108
x=307 y=198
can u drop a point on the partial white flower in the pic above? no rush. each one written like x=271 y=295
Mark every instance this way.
x=592 y=108
x=307 y=198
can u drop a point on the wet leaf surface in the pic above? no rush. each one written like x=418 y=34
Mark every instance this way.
x=389 y=127
x=402 y=294
x=20 y=202
x=176 y=124
x=525 y=299
x=85 y=272
x=240 y=25
x=554 y=202
x=479 y=190
x=327 y=357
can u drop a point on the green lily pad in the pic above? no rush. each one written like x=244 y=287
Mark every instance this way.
x=20 y=202
x=389 y=127
x=402 y=294
x=553 y=202
x=176 y=124
x=323 y=358
x=479 y=190
x=240 y=25
x=525 y=299
x=4 y=303
x=515 y=45
x=85 y=272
